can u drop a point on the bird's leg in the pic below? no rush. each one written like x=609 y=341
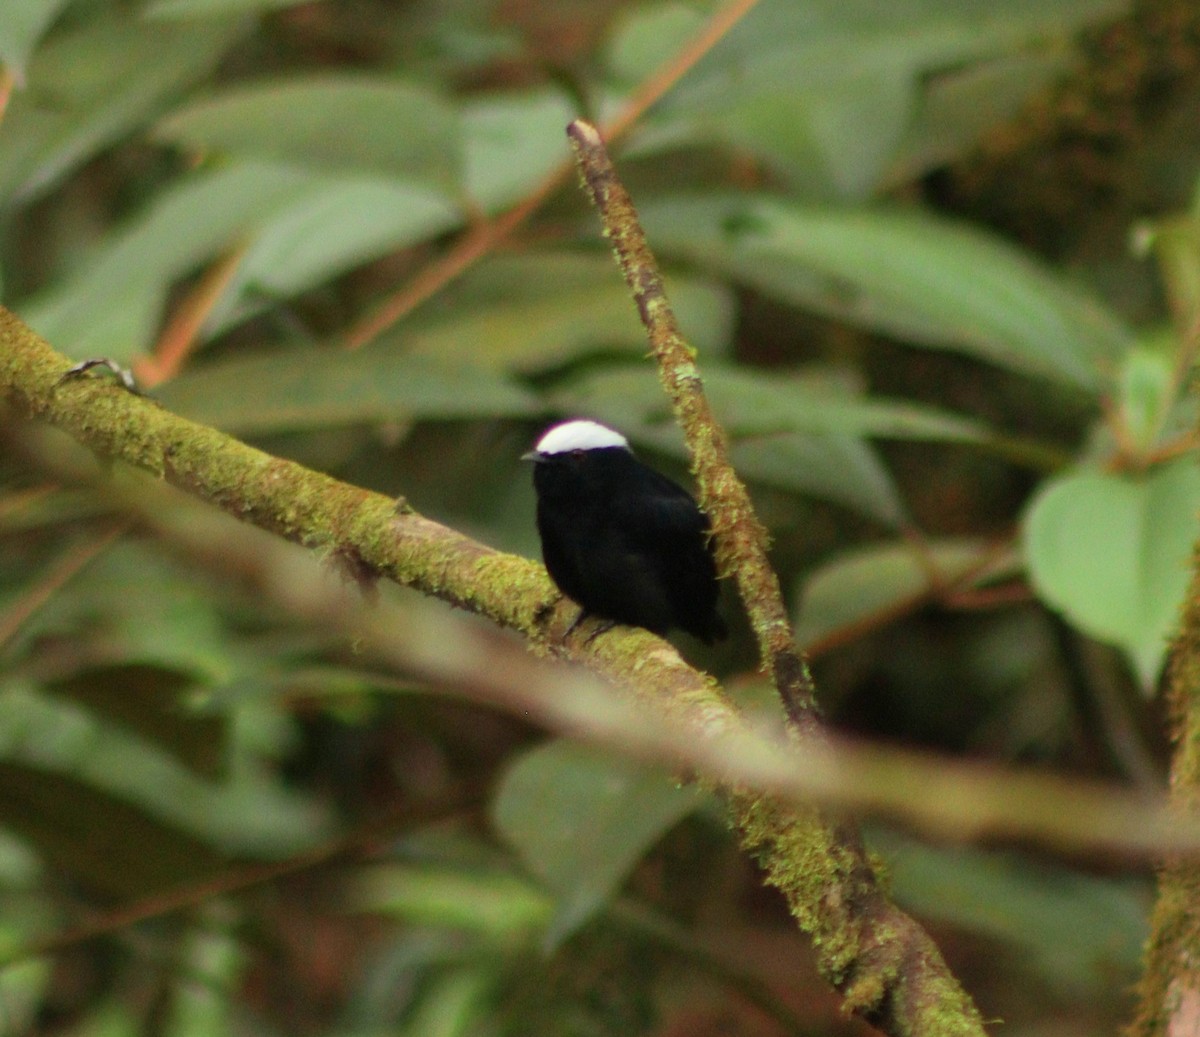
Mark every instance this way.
x=602 y=626
x=583 y=614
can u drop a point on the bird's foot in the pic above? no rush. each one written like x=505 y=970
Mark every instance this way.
x=123 y=375
x=602 y=627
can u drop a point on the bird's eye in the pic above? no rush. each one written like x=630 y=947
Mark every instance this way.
x=577 y=454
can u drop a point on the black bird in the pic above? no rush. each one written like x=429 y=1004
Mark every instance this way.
x=625 y=542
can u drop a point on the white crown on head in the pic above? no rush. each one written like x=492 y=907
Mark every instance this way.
x=579 y=435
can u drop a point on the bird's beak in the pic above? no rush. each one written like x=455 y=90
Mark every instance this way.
x=533 y=456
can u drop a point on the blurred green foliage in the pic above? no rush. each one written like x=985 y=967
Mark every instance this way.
x=974 y=459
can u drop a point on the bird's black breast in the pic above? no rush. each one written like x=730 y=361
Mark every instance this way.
x=626 y=542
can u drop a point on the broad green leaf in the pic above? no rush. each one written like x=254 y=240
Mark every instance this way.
x=834 y=141
x=299 y=228
x=112 y=303
x=248 y=813
x=856 y=125
x=95 y=83
x=763 y=403
x=311 y=388
x=332 y=122
x=581 y=820
x=332 y=227
x=959 y=105
x=150 y=701
x=512 y=141
x=844 y=470
x=644 y=35
x=923 y=278
x=108 y=846
x=1112 y=551
x=1071 y=929
x=22 y=23
x=131 y=605
x=537 y=312
x=872 y=581
x=820 y=451
x=857 y=75
x=843 y=37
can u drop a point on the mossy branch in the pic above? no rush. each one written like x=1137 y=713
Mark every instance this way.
x=740 y=538
x=887 y=968
x=885 y=965
x=1169 y=991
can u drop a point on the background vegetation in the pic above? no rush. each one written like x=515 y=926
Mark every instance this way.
x=940 y=261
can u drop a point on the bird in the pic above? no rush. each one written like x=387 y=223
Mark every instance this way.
x=623 y=541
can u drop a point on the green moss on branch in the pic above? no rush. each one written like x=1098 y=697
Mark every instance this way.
x=886 y=967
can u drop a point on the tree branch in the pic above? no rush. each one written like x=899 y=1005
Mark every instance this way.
x=741 y=540
x=886 y=967
x=1169 y=990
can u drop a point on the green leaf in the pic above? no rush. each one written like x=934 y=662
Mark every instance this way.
x=960 y=104
x=150 y=701
x=872 y=581
x=311 y=388
x=1174 y=242
x=581 y=820
x=213 y=949
x=857 y=76
x=512 y=141
x=108 y=846
x=530 y=313
x=299 y=228
x=333 y=122
x=923 y=278
x=22 y=23
x=249 y=813
x=1072 y=929
x=756 y=403
x=844 y=470
x=24 y=985
x=785 y=445
x=335 y=225
x=456 y=1003
x=111 y=304
x=643 y=35
x=95 y=83
x=1112 y=552
x=129 y=604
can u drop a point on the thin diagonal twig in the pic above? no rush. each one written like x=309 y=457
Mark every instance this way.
x=741 y=539
x=56 y=577
x=182 y=331
x=485 y=235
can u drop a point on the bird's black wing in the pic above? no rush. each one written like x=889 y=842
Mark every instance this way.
x=673 y=536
